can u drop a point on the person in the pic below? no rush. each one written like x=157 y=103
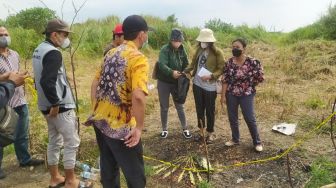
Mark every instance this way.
x=56 y=102
x=118 y=97
x=10 y=62
x=241 y=75
x=173 y=59
x=117 y=38
x=8 y=82
x=210 y=58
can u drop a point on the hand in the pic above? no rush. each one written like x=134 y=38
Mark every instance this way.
x=53 y=111
x=4 y=76
x=133 y=137
x=176 y=74
x=206 y=78
x=18 y=77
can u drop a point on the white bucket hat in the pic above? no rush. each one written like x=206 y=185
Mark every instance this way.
x=206 y=35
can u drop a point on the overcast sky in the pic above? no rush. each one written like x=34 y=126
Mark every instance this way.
x=274 y=15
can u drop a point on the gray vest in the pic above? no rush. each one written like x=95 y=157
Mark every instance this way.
x=63 y=89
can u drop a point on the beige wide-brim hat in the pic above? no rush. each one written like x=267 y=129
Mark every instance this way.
x=206 y=35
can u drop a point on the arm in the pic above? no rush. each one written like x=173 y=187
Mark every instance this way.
x=7 y=87
x=163 y=62
x=258 y=73
x=139 y=91
x=93 y=91
x=191 y=66
x=219 y=64
x=52 y=62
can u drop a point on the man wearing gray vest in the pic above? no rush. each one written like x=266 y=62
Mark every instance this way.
x=56 y=102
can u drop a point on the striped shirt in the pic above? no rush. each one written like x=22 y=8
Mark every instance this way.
x=12 y=63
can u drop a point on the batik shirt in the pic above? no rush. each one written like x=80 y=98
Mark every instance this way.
x=11 y=63
x=124 y=70
x=242 y=79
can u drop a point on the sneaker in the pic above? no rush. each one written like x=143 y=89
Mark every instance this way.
x=231 y=143
x=186 y=134
x=164 y=134
x=2 y=174
x=33 y=162
x=258 y=148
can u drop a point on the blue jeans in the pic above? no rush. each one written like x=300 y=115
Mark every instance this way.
x=246 y=104
x=21 y=136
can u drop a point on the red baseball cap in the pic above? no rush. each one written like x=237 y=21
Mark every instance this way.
x=118 y=29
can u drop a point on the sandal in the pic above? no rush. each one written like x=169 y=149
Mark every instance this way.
x=210 y=139
x=59 y=185
x=198 y=138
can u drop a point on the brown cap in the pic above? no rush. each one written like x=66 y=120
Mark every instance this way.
x=57 y=25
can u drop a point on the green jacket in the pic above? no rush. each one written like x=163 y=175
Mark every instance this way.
x=215 y=62
x=171 y=59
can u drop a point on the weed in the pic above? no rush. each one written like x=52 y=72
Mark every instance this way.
x=323 y=172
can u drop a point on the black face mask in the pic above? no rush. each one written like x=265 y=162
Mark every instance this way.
x=236 y=52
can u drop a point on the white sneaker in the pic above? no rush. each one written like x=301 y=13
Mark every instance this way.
x=164 y=134
x=231 y=143
x=258 y=148
x=186 y=134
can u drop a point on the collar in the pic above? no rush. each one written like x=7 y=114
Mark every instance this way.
x=49 y=41
x=9 y=52
x=131 y=44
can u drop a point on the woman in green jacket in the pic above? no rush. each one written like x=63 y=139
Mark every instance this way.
x=206 y=66
x=173 y=60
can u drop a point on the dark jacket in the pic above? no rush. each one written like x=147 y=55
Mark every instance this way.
x=215 y=62
x=6 y=92
x=171 y=59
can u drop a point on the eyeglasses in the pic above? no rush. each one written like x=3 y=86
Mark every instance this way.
x=1 y=35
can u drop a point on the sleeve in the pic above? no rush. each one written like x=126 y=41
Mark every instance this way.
x=191 y=66
x=139 y=74
x=226 y=77
x=51 y=62
x=163 y=62
x=6 y=92
x=185 y=60
x=219 y=64
x=258 y=72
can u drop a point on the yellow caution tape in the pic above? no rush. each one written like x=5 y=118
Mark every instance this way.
x=221 y=168
x=30 y=85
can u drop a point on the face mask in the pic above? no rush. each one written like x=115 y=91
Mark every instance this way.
x=66 y=43
x=236 y=52
x=204 y=45
x=5 y=41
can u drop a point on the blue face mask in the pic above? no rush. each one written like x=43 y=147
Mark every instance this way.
x=5 y=41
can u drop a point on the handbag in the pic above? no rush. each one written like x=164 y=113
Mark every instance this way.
x=8 y=122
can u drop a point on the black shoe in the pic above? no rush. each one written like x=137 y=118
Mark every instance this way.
x=33 y=162
x=2 y=174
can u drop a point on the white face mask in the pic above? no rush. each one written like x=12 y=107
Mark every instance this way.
x=66 y=43
x=144 y=45
x=204 y=45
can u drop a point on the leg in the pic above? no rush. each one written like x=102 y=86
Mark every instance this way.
x=210 y=105
x=247 y=106
x=109 y=169
x=21 y=135
x=130 y=161
x=199 y=104
x=67 y=126
x=180 y=112
x=53 y=150
x=232 y=109
x=163 y=91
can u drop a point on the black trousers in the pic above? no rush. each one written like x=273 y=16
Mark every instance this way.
x=205 y=102
x=114 y=154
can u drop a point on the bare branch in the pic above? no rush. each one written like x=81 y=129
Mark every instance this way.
x=62 y=6
x=76 y=11
x=44 y=4
x=79 y=41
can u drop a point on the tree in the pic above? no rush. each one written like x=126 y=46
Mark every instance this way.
x=219 y=25
x=33 y=18
x=172 y=19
